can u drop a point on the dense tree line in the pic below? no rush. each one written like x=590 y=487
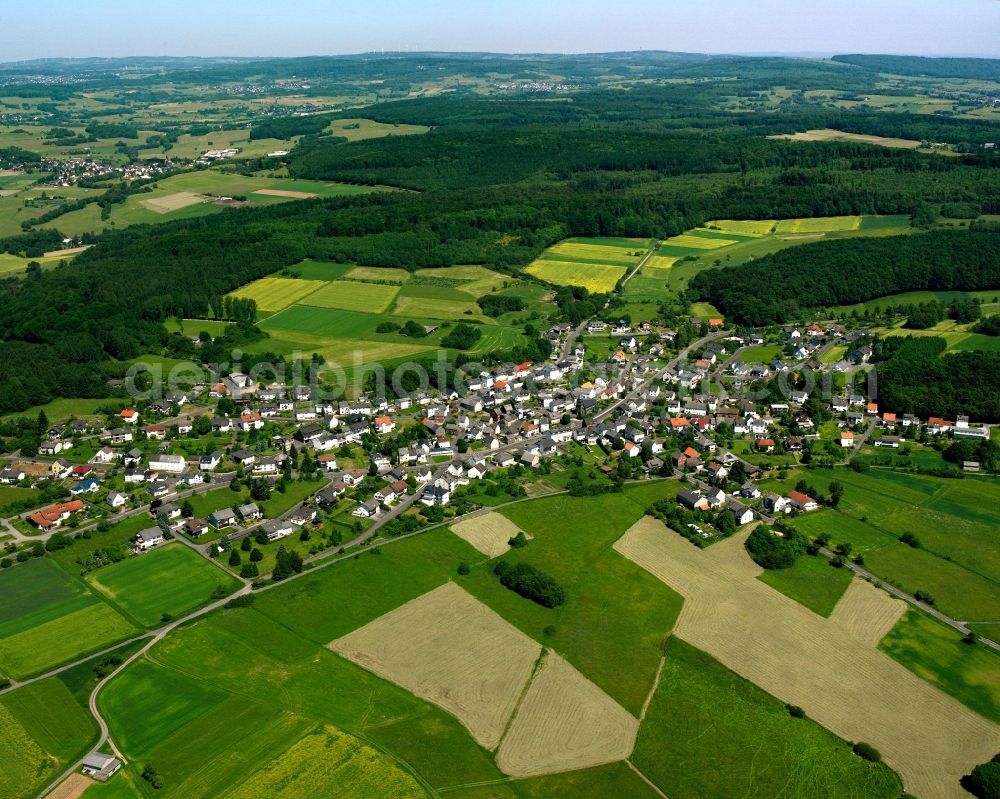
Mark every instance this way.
x=974 y=68
x=499 y=180
x=288 y=127
x=916 y=376
x=781 y=286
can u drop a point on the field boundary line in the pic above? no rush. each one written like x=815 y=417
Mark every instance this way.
x=539 y=664
x=645 y=779
x=656 y=684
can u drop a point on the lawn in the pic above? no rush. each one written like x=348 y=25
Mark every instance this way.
x=762 y=353
x=937 y=654
x=710 y=733
x=170 y=580
x=274 y=294
x=812 y=582
x=350 y=295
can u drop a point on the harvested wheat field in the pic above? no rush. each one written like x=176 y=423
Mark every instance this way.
x=844 y=683
x=564 y=723
x=867 y=612
x=173 y=202
x=488 y=533
x=294 y=195
x=452 y=650
x=71 y=787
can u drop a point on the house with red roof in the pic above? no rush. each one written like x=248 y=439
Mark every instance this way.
x=801 y=501
x=53 y=516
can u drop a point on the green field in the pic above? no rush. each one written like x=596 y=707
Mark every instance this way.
x=937 y=654
x=349 y=295
x=194 y=327
x=329 y=762
x=955 y=520
x=48 y=617
x=614 y=779
x=812 y=582
x=219 y=675
x=42 y=730
x=172 y=579
x=710 y=733
x=260 y=686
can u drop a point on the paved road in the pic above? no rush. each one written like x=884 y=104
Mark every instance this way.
x=643 y=386
x=219 y=480
x=571 y=337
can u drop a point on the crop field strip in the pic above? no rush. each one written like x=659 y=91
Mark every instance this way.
x=47 y=617
x=828 y=224
x=348 y=295
x=42 y=729
x=450 y=649
x=277 y=293
x=172 y=579
x=599 y=279
x=565 y=722
x=841 y=679
x=488 y=533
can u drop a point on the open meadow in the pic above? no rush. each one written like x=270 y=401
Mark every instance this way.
x=168 y=581
x=954 y=521
x=48 y=617
x=198 y=193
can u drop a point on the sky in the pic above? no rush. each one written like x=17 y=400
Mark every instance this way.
x=65 y=28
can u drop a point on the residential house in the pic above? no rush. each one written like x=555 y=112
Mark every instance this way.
x=52 y=517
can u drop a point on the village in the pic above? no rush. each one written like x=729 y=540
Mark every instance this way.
x=372 y=466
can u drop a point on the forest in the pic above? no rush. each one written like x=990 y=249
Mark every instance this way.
x=499 y=179
x=916 y=376
x=849 y=271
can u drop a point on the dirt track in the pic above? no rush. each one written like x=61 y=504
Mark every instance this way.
x=830 y=667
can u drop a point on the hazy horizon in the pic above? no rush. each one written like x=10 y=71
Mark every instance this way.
x=258 y=28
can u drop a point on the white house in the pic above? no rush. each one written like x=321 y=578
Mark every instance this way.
x=167 y=463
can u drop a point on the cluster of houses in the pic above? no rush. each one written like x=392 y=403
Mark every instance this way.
x=658 y=412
